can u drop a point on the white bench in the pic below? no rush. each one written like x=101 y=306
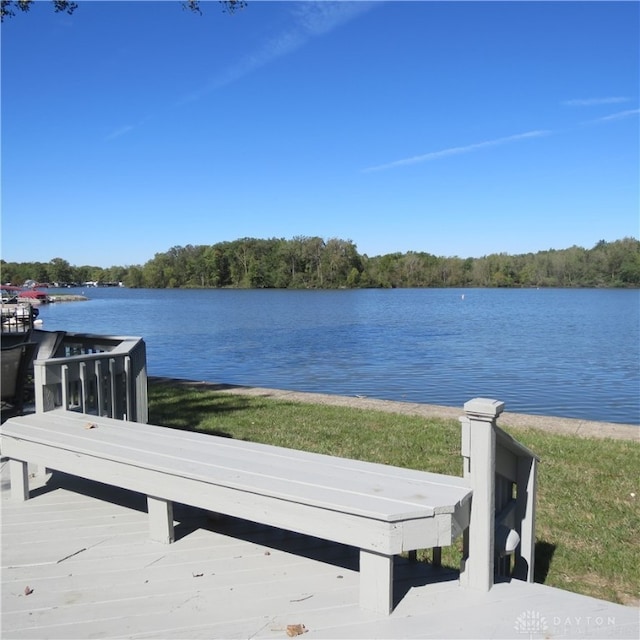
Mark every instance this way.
x=382 y=510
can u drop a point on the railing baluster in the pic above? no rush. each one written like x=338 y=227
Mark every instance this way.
x=65 y=386
x=83 y=386
x=127 y=386
x=112 y=387
x=99 y=387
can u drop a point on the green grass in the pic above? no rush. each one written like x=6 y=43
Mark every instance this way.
x=588 y=518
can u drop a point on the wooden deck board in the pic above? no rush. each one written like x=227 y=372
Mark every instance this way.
x=255 y=581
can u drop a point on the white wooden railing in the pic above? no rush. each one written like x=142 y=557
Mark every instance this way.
x=500 y=541
x=95 y=374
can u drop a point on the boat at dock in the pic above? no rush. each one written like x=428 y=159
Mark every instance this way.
x=18 y=317
x=20 y=308
x=11 y=293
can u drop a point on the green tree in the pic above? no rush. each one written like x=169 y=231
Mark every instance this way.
x=338 y=258
x=9 y=8
x=134 y=278
x=59 y=271
x=630 y=264
x=353 y=279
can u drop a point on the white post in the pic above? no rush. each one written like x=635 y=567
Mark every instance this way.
x=66 y=400
x=38 y=385
x=160 y=519
x=19 y=476
x=376 y=582
x=479 y=450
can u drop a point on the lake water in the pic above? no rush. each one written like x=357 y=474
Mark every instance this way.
x=561 y=352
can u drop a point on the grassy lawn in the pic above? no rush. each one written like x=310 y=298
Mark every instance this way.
x=588 y=523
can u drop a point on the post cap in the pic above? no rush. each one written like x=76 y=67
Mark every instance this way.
x=484 y=407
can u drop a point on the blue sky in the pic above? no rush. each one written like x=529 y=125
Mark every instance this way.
x=455 y=128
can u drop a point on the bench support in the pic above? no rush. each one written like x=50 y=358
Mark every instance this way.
x=160 y=519
x=19 y=474
x=376 y=582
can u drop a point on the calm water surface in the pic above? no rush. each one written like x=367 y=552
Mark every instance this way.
x=562 y=352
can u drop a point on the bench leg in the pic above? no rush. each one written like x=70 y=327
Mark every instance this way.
x=19 y=475
x=376 y=582
x=160 y=519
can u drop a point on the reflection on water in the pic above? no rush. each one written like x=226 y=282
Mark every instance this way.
x=573 y=353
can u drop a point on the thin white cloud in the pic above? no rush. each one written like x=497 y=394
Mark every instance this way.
x=453 y=151
x=470 y=148
x=120 y=132
x=309 y=20
x=618 y=116
x=594 y=102
x=317 y=18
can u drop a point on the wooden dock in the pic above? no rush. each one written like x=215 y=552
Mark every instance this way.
x=77 y=563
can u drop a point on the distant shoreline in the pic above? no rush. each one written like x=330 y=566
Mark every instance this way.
x=550 y=424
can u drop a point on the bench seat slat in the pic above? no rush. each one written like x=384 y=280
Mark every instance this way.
x=370 y=490
x=191 y=442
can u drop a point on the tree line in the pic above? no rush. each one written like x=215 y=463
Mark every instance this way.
x=316 y=263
